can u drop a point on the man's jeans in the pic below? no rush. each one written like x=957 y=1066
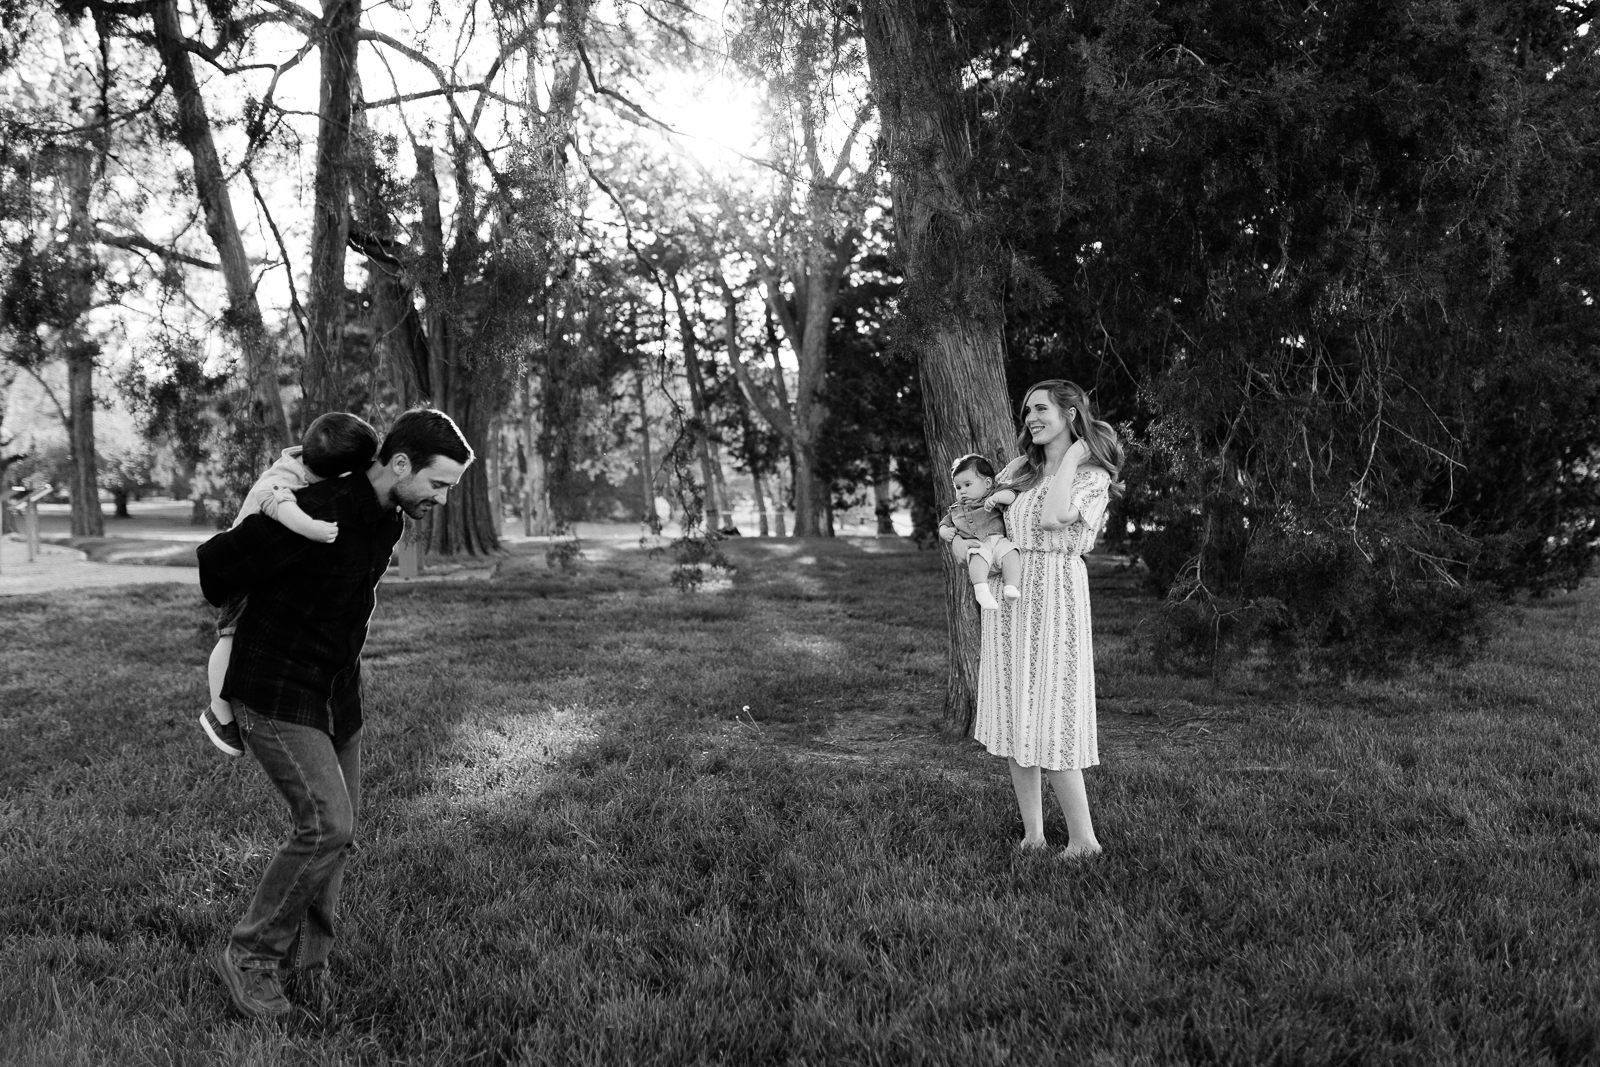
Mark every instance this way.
x=290 y=923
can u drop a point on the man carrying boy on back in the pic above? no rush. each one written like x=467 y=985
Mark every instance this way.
x=294 y=683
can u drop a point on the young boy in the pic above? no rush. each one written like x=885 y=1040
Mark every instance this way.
x=974 y=525
x=335 y=444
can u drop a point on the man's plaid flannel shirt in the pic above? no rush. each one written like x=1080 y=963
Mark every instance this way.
x=297 y=652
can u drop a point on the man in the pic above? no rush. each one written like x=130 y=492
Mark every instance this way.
x=294 y=683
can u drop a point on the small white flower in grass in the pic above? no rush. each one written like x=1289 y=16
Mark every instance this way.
x=747 y=707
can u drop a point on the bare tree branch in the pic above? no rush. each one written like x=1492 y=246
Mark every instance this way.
x=390 y=101
x=137 y=242
x=594 y=83
x=843 y=161
x=297 y=14
x=66 y=420
x=776 y=415
x=158 y=85
x=288 y=270
x=447 y=83
x=260 y=133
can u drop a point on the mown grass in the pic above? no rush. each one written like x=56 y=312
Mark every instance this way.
x=609 y=823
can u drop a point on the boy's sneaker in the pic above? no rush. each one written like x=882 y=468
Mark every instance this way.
x=225 y=735
x=257 y=994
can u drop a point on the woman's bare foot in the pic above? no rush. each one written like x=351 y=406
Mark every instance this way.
x=1028 y=845
x=1080 y=851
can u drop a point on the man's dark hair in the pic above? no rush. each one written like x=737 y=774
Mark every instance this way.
x=424 y=434
x=338 y=443
x=972 y=461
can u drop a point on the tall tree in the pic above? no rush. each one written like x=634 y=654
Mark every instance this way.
x=55 y=275
x=326 y=381
x=264 y=416
x=948 y=251
x=801 y=228
x=458 y=305
x=701 y=418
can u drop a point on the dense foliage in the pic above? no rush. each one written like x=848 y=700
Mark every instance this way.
x=1334 y=265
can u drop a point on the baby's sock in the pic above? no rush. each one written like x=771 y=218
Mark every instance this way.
x=986 y=599
x=1012 y=592
x=221 y=710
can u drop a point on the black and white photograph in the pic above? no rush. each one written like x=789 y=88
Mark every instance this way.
x=641 y=533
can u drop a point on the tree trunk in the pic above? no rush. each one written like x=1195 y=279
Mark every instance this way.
x=535 y=484
x=724 y=498
x=211 y=187
x=809 y=510
x=697 y=404
x=808 y=339
x=78 y=349
x=915 y=78
x=492 y=471
x=799 y=426
x=761 y=503
x=464 y=525
x=780 y=503
x=87 y=518
x=325 y=382
x=883 y=497
x=647 y=468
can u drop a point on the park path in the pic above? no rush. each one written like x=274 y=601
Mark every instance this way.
x=56 y=568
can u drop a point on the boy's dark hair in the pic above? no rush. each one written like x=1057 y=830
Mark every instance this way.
x=972 y=461
x=424 y=434
x=338 y=443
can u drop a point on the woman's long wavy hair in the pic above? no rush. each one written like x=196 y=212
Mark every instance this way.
x=1104 y=448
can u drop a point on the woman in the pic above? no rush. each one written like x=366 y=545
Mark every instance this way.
x=1036 y=667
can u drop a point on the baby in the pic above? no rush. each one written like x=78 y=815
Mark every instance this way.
x=977 y=532
x=335 y=444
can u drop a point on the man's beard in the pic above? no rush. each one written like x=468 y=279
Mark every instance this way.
x=417 y=507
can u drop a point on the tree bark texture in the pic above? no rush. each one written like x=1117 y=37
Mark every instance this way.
x=491 y=466
x=325 y=381
x=78 y=349
x=761 y=503
x=883 y=498
x=647 y=467
x=915 y=78
x=87 y=518
x=536 y=521
x=465 y=525
x=243 y=318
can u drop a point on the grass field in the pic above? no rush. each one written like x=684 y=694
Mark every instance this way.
x=610 y=823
